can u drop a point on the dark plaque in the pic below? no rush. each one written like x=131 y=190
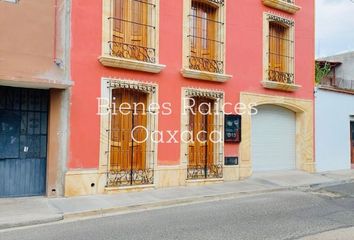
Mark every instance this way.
x=231 y=161
x=233 y=128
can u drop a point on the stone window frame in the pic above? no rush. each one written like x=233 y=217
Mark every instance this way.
x=283 y=5
x=107 y=85
x=195 y=74
x=218 y=96
x=110 y=61
x=290 y=23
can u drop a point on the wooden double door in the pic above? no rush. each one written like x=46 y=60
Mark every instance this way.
x=128 y=132
x=201 y=146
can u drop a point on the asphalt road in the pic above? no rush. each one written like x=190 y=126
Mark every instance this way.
x=281 y=215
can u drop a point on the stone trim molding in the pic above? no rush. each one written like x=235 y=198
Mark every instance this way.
x=282 y=5
x=199 y=92
x=280 y=86
x=129 y=64
x=203 y=75
x=279 y=19
x=130 y=84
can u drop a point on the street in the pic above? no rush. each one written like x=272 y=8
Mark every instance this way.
x=279 y=215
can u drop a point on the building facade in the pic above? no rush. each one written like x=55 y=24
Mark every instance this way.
x=34 y=97
x=197 y=65
x=334 y=98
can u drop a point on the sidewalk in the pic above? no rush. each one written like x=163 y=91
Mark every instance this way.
x=29 y=211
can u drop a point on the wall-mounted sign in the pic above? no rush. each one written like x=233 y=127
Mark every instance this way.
x=229 y=161
x=233 y=128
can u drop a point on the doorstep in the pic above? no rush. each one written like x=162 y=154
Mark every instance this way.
x=126 y=189
x=200 y=182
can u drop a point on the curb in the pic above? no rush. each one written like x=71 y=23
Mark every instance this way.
x=317 y=186
x=5 y=226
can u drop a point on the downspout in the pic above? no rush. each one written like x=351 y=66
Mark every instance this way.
x=55 y=32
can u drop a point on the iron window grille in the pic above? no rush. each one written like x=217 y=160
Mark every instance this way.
x=133 y=30
x=280 y=50
x=289 y=1
x=206 y=40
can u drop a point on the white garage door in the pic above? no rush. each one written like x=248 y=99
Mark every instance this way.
x=273 y=139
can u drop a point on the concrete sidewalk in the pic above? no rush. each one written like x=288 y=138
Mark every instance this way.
x=29 y=211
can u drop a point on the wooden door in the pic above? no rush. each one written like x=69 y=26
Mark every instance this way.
x=128 y=151
x=352 y=142
x=201 y=149
x=203 y=27
x=130 y=28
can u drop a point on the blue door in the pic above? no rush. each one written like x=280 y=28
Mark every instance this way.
x=23 y=141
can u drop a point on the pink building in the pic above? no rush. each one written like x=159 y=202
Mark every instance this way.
x=188 y=92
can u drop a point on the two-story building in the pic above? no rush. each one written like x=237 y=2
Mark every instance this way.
x=334 y=104
x=34 y=96
x=178 y=57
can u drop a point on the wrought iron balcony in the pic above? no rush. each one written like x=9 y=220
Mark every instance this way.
x=117 y=178
x=205 y=172
x=206 y=64
x=281 y=77
x=131 y=51
x=221 y=2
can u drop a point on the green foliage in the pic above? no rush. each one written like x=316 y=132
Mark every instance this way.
x=321 y=72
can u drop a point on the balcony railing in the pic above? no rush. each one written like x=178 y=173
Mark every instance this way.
x=206 y=64
x=281 y=77
x=131 y=51
x=205 y=171
x=339 y=83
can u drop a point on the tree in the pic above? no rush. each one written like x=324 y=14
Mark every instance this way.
x=321 y=71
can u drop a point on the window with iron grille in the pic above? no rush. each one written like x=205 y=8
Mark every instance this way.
x=206 y=36
x=280 y=52
x=133 y=30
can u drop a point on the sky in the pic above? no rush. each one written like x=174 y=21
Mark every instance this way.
x=334 y=27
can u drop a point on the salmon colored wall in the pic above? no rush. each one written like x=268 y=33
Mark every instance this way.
x=243 y=58
x=27 y=43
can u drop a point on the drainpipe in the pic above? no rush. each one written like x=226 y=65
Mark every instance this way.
x=55 y=33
